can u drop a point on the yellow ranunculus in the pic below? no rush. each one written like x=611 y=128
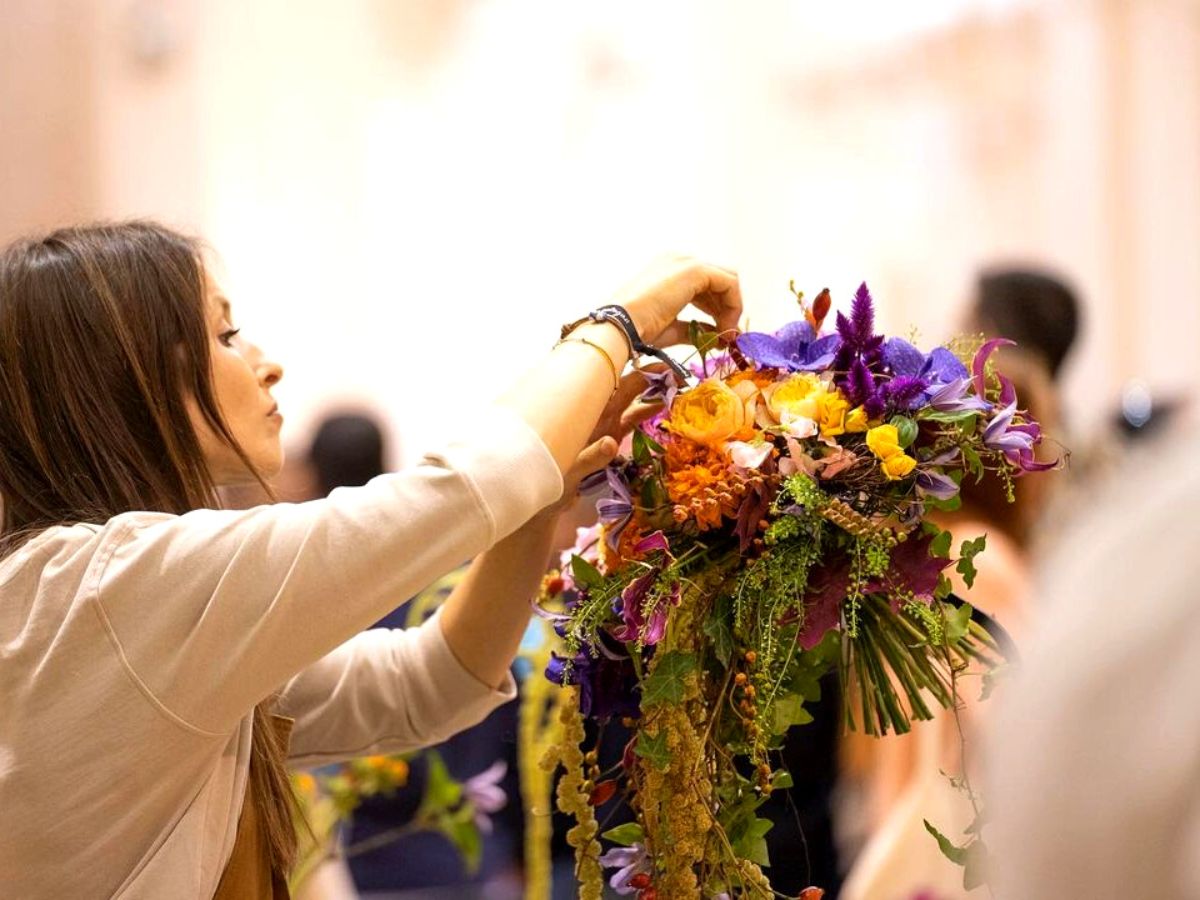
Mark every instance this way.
x=856 y=420
x=884 y=441
x=897 y=466
x=796 y=396
x=831 y=409
x=709 y=413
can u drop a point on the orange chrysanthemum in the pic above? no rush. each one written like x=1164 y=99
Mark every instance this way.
x=701 y=483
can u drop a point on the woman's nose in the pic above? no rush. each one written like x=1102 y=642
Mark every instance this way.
x=269 y=373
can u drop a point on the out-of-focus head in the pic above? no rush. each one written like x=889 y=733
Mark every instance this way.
x=1038 y=311
x=347 y=451
x=122 y=384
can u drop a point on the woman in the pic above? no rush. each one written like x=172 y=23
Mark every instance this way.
x=153 y=648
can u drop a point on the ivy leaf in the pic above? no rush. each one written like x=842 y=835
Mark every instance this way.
x=966 y=561
x=790 y=711
x=992 y=678
x=958 y=623
x=782 y=780
x=753 y=844
x=940 y=546
x=626 y=835
x=585 y=574
x=956 y=855
x=906 y=430
x=944 y=588
x=653 y=749
x=666 y=683
x=716 y=627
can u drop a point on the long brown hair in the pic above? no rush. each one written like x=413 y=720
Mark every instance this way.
x=103 y=339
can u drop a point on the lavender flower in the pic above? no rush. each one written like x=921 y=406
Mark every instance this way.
x=484 y=793
x=629 y=861
x=660 y=387
x=796 y=348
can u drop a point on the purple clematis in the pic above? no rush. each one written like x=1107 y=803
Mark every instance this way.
x=1016 y=442
x=615 y=510
x=484 y=793
x=628 y=861
x=931 y=483
x=796 y=348
x=635 y=627
x=661 y=387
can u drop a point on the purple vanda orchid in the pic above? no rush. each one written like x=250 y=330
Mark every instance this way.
x=795 y=348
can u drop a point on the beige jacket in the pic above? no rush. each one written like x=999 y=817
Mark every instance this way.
x=133 y=653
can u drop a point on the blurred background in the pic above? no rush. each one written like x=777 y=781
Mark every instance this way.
x=408 y=197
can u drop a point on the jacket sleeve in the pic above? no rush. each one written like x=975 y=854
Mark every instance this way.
x=213 y=611
x=385 y=691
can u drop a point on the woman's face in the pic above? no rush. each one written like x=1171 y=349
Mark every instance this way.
x=242 y=380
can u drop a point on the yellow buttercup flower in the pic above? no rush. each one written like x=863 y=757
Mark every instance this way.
x=708 y=414
x=897 y=466
x=884 y=441
x=856 y=420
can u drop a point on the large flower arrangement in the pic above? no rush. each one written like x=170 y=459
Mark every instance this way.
x=771 y=524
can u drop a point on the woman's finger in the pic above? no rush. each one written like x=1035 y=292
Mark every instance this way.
x=593 y=457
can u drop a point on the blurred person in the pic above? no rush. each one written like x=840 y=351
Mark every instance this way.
x=1093 y=766
x=900 y=778
x=164 y=658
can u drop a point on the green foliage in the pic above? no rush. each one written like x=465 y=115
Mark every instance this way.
x=789 y=711
x=752 y=844
x=644 y=447
x=668 y=682
x=585 y=574
x=653 y=749
x=956 y=855
x=717 y=629
x=940 y=547
x=966 y=561
x=906 y=430
x=958 y=623
x=626 y=835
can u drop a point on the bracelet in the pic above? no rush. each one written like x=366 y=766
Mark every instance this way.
x=619 y=316
x=612 y=365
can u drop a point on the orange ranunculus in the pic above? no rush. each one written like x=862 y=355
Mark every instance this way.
x=709 y=413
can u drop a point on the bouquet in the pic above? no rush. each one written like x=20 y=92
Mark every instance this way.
x=771 y=524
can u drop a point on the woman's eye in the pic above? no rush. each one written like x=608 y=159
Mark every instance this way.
x=226 y=337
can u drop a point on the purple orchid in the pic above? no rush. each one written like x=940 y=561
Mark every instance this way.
x=631 y=604
x=484 y=793
x=628 y=861
x=796 y=348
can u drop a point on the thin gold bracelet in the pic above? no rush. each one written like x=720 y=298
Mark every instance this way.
x=607 y=358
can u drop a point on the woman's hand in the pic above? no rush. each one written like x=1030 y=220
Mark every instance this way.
x=656 y=297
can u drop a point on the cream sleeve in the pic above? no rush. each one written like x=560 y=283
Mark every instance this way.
x=213 y=611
